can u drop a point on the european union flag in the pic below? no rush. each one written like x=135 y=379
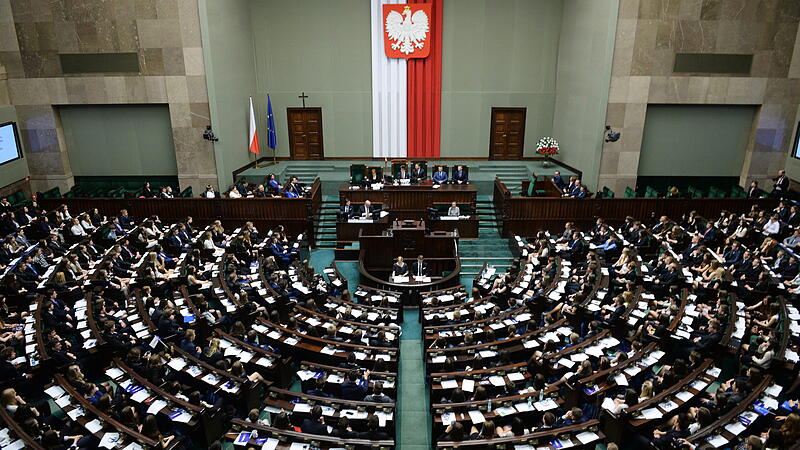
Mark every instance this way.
x=272 y=141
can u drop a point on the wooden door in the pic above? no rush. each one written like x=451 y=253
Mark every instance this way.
x=305 y=133
x=507 y=137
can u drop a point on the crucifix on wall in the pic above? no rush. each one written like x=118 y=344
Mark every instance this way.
x=304 y=97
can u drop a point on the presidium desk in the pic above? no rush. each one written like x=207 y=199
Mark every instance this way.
x=411 y=202
x=409 y=238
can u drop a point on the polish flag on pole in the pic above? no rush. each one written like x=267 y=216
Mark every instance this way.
x=253 y=133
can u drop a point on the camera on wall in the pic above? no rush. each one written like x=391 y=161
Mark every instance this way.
x=209 y=135
x=611 y=135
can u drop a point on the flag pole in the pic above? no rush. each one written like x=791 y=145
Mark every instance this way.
x=270 y=132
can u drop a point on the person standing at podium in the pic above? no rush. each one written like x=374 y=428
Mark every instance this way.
x=400 y=268
x=440 y=176
x=454 y=210
x=365 y=211
x=420 y=268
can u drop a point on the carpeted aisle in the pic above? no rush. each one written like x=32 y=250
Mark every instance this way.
x=413 y=412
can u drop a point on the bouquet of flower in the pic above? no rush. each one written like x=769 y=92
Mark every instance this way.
x=547 y=146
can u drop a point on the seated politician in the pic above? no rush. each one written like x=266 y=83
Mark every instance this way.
x=454 y=210
x=459 y=176
x=346 y=211
x=400 y=268
x=373 y=177
x=440 y=176
x=418 y=173
x=366 y=210
x=420 y=268
x=403 y=174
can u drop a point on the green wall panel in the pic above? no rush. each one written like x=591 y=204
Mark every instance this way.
x=231 y=79
x=695 y=140
x=321 y=48
x=119 y=140
x=584 y=73
x=497 y=54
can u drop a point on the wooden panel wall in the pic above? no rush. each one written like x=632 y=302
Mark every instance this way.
x=295 y=214
x=524 y=215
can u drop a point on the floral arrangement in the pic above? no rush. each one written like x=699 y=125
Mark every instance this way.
x=547 y=146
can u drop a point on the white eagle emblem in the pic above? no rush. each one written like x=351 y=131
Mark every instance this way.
x=407 y=30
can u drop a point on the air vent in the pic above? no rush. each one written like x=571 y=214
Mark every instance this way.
x=99 y=62
x=713 y=63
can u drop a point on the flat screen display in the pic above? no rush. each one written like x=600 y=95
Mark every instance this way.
x=796 y=148
x=9 y=143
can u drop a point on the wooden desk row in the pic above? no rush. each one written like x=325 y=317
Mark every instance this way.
x=527 y=215
x=295 y=214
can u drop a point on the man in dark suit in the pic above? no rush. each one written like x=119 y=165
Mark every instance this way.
x=366 y=210
x=708 y=340
x=346 y=211
x=125 y=220
x=319 y=388
x=27 y=276
x=558 y=181
x=372 y=433
x=781 y=186
x=316 y=423
x=176 y=242
x=459 y=176
x=793 y=218
x=294 y=187
x=754 y=191
x=418 y=173
x=710 y=235
x=734 y=254
x=420 y=267
x=354 y=388
x=403 y=174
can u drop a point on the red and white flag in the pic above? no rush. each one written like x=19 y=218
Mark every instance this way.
x=253 y=141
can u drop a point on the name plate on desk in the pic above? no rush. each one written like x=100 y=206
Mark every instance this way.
x=376 y=186
x=454 y=217
x=400 y=279
x=422 y=279
x=359 y=221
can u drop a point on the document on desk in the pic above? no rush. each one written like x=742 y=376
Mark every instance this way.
x=156 y=406
x=109 y=440
x=545 y=405
x=476 y=417
x=717 y=441
x=684 y=396
x=449 y=384
x=93 y=426
x=271 y=444
x=587 y=437
x=468 y=385
x=735 y=428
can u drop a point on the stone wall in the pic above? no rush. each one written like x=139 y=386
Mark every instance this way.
x=650 y=32
x=166 y=36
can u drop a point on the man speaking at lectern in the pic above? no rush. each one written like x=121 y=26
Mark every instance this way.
x=420 y=268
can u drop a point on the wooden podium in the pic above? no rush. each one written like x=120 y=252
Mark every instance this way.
x=409 y=239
